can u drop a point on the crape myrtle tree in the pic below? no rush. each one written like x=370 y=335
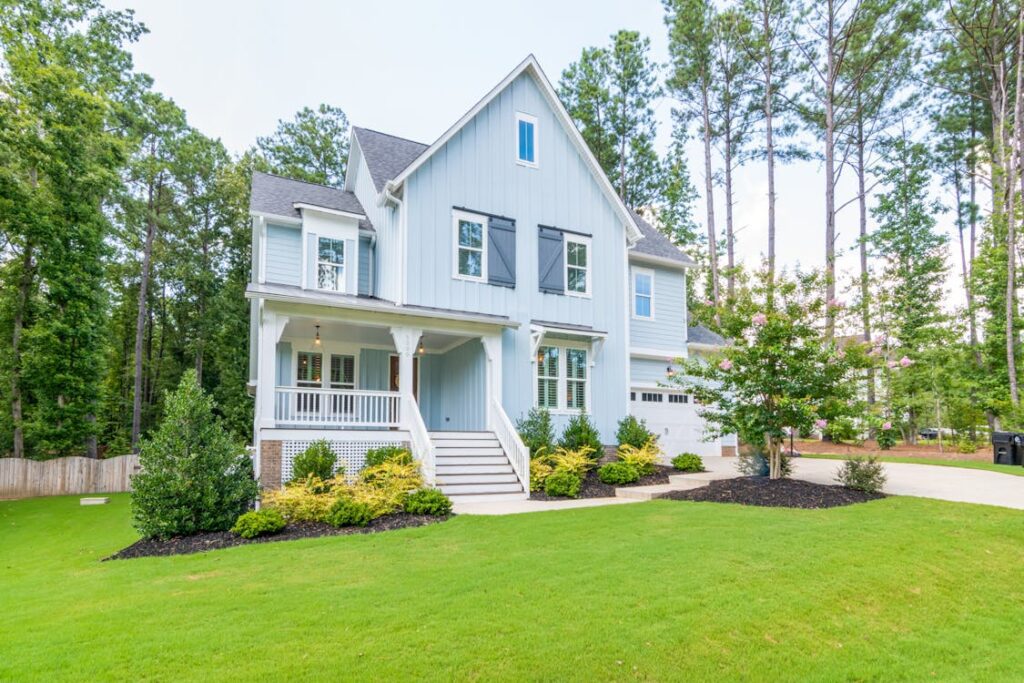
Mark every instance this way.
x=778 y=373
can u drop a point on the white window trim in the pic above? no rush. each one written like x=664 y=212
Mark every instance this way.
x=522 y=116
x=562 y=404
x=586 y=241
x=344 y=265
x=650 y=273
x=458 y=215
x=327 y=348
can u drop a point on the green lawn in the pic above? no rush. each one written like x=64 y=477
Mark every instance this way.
x=897 y=589
x=966 y=464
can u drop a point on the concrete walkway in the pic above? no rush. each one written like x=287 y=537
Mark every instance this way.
x=905 y=479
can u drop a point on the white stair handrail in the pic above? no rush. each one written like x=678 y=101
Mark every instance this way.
x=507 y=435
x=422 y=444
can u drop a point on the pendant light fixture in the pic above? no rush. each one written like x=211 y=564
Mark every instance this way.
x=316 y=339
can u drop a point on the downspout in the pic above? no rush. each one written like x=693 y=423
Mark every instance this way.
x=387 y=195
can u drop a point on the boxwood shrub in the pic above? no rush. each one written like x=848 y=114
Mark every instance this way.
x=348 y=512
x=258 y=523
x=428 y=502
x=688 y=462
x=617 y=473
x=398 y=454
x=563 y=483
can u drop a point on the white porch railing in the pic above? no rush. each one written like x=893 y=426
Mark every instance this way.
x=422 y=444
x=315 y=407
x=517 y=452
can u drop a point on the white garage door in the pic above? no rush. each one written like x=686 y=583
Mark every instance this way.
x=673 y=417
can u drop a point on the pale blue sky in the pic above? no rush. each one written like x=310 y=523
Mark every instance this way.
x=413 y=68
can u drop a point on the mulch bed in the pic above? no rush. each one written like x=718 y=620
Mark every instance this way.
x=186 y=545
x=781 y=493
x=594 y=488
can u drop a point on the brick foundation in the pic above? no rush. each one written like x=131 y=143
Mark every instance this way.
x=270 y=464
x=728 y=451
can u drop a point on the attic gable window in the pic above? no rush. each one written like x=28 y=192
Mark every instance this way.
x=526 y=139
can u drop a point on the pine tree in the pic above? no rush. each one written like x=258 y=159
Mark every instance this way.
x=312 y=147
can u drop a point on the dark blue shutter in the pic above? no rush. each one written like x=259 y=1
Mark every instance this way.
x=550 y=272
x=501 y=252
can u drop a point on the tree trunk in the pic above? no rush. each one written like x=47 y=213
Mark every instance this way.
x=730 y=253
x=140 y=319
x=865 y=288
x=1011 y=220
x=770 y=151
x=20 y=309
x=830 y=180
x=710 y=201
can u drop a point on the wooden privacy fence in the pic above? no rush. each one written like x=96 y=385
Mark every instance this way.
x=21 y=478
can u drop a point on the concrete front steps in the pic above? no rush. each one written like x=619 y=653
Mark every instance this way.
x=677 y=482
x=471 y=467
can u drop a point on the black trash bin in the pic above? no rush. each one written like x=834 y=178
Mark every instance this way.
x=1007 y=448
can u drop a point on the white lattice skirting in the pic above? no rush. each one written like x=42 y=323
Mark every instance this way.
x=351 y=454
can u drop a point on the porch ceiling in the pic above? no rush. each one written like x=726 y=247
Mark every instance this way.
x=365 y=335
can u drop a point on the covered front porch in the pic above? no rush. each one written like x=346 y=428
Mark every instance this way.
x=358 y=380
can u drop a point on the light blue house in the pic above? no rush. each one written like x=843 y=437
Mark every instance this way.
x=449 y=288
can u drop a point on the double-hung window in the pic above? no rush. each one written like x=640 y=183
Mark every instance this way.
x=330 y=264
x=470 y=246
x=547 y=377
x=577 y=265
x=526 y=139
x=343 y=371
x=562 y=376
x=308 y=369
x=643 y=293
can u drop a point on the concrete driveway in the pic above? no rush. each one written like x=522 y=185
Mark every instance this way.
x=927 y=481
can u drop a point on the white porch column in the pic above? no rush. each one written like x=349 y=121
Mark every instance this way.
x=492 y=350
x=406 y=339
x=271 y=329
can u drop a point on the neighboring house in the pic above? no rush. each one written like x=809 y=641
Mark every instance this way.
x=449 y=288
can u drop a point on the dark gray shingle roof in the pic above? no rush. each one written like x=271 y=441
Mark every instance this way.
x=276 y=195
x=655 y=243
x=386 y=155
x=698 y=334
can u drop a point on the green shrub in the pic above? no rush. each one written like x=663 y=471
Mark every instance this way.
x=688 y=462
x=258 y=523
x=756 y=465
x=318 y=460
x=348 y=512
x=536 y=431
x=862 y=474
x=633 y=432
x=428 y=502
x=841 y=430
x=563 y=483
x=540 y=470
x=618 y=473
x=966 y=446
x=194 y=476
x=886 y=438
x=581 y=433
x=399 y=454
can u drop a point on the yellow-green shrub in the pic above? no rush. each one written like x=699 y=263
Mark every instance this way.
x=540 y=470
x=573 y=460
x=307 y=500
x=642 y=459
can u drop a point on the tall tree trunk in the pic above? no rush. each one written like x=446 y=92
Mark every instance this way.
x=1011 y=219
x=140 y=319
x=20 y=309
x=770 y=150
x=865 y=285
x=972 y=315
x=830 y=179
x=710 y=201
x=730 y=239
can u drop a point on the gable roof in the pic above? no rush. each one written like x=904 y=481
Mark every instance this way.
x=386 y=155
x=532 y=67
x=657 y=245
x=277 y=196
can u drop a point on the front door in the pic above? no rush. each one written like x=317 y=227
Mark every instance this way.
x=393 y=376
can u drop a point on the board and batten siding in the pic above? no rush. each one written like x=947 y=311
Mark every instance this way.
x=477 y=170
x=283 y=263
x=365 y=268
x=667 y=329
x=453 y=388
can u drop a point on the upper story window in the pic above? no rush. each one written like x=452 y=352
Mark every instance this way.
x=643 y=293
x=577 y=265
x=330 y=264
x=526 y=139
x=470 y=246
